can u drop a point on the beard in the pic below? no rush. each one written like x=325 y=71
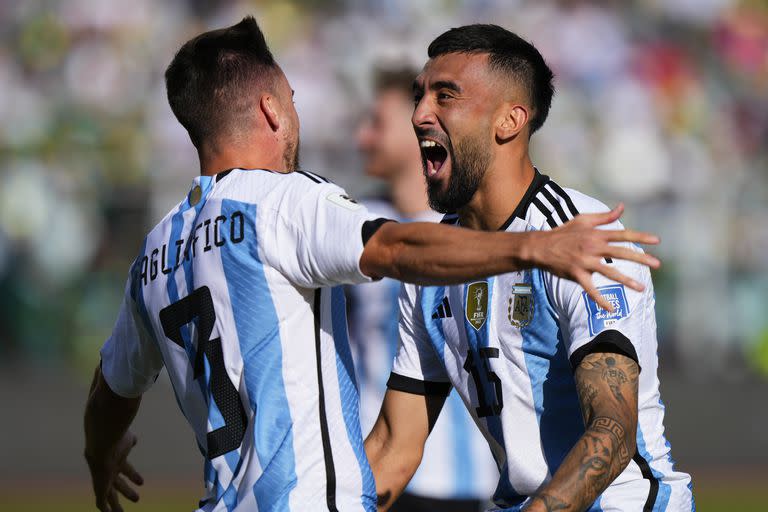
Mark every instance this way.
x=291 y=155
x=469 y=160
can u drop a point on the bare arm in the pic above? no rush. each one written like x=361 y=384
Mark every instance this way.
x=108 y=442
x=427 y=254
x=396 y=442
x=607 y=388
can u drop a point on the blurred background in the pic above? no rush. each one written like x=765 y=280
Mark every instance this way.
x=662 y=104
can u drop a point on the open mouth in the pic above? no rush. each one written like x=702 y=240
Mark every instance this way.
x=434 y=156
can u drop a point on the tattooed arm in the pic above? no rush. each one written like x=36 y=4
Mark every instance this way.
x=607 y=388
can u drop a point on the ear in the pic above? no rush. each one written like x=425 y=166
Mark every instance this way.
x=268 y=105
x=512 y=121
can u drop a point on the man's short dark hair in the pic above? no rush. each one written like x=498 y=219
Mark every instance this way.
x=508 y=53
x=395 y=78
x=212 y=80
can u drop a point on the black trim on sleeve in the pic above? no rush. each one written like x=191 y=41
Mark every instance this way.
x=370 y=227
x=417 y=387
x=610 y=341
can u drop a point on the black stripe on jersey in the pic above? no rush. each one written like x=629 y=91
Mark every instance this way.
x=545 y=211
x=653 y=490
x=450 y=218
x=556 y=204
x=559 y=191
x=314 y=177
x=610 y=342
x=308 y=175
x=417 y=387
x=330 y=470
x=223 y=174
x=539 y=180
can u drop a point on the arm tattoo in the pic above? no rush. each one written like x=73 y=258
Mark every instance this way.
x=552 y=503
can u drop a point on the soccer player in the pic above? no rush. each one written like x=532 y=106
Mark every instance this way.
x=457 y=471
x=234 y=293
x=565 y=391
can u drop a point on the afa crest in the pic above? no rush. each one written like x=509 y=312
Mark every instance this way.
x=476 y=301
x=520 y=309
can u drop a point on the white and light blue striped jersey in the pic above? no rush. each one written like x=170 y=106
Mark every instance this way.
x=456 y=463
x=234 y=292
x=510 y=347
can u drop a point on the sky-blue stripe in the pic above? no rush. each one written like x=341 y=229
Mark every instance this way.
x=554 y=391
x=462 y=453
x=477 y=339
x=431 y=298
x=350 y=400
x=261 y=349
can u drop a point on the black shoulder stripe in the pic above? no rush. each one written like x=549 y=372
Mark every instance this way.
x=559 y=191
x=610 y=342
x=417 y=387
x=321 y=178
x=306 y=174
x=556 y=204
x=450 y=218
x=543 y=209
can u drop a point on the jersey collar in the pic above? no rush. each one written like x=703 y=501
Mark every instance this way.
x=539 y=180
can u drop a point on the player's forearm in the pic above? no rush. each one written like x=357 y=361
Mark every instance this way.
x=107 y=416
x=593 y=463
x=392 y=469
x=427 y=254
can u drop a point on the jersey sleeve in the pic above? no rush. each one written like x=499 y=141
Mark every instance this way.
x=417 y=367
x=318 y=241
x=130 y=358
x=590 y=329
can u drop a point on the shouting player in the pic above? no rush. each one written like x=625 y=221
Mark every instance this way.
x=565 y=392
x=457 y=473
x=234 y=293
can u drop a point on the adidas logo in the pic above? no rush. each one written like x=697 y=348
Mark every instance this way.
x=443 y=310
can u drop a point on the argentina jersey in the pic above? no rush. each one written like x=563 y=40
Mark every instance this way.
x=236 y=293
x=456 y=463
x=510 y=349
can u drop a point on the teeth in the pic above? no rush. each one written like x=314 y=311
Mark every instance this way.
x=428 y=144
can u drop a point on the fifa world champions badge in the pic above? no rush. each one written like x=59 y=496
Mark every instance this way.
x=476 y=302
x=520 y=308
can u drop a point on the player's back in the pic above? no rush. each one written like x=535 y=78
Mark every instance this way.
x=234 y=288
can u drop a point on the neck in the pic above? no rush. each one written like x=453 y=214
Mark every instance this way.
x=409 y=192
x=255 y=154
x=502 y=188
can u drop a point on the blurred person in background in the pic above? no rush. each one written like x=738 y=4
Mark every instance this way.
x=457 y=472
x=553 y=380
x=233 y=292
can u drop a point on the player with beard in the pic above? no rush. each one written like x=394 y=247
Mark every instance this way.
x=234 y=293
x=457 y=473
x=564 y=391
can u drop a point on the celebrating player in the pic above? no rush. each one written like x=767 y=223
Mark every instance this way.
x=233 y=292
x=457 y=471
x=564 y=391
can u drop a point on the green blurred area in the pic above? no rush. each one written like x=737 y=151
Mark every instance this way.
x=752 y=498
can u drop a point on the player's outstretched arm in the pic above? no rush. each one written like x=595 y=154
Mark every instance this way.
x=607 y=388
x=428 y=254
x=108 y=443
x=396 y=443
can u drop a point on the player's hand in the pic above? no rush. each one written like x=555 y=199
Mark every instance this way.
x=111 y=474
x=577 y=249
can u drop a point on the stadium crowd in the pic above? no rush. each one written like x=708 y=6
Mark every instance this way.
x=661 y=104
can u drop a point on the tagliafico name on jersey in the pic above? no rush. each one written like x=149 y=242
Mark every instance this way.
x=208 y=234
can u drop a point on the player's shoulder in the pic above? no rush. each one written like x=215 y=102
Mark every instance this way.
x=547 y=204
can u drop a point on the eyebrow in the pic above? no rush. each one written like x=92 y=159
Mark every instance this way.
x=440 y=84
